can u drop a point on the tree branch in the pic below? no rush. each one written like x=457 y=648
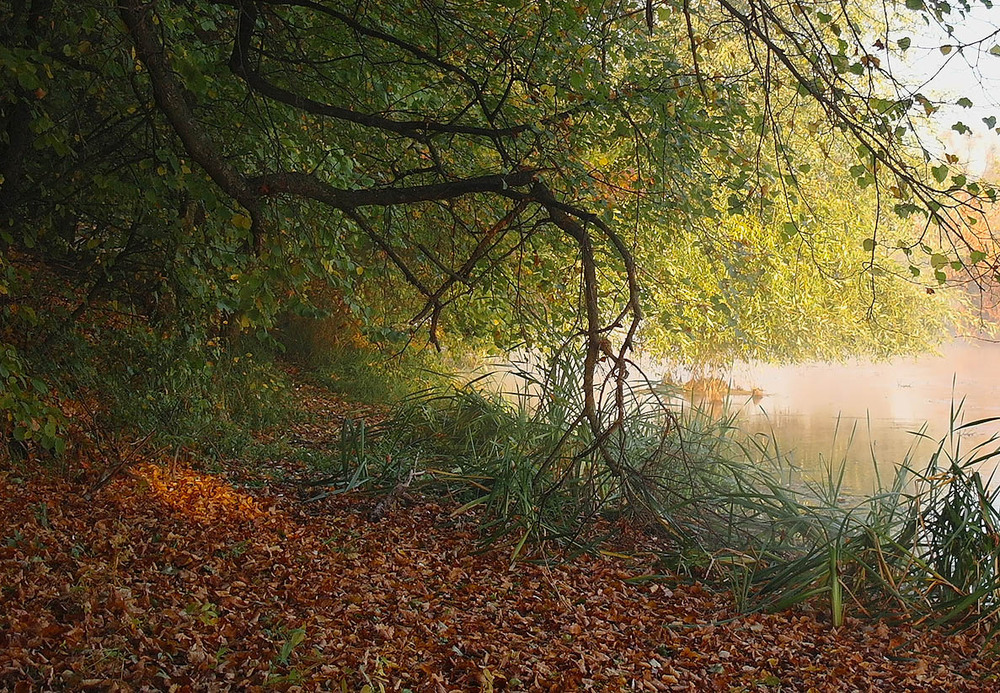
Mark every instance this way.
x=308 y=186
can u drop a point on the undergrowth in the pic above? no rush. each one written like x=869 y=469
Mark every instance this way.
x=368 y=375
x=924 y=545
x=134 y=386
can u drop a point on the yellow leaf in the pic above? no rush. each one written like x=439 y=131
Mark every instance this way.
x=242 y=221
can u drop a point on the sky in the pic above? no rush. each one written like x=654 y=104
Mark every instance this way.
x=949 y=75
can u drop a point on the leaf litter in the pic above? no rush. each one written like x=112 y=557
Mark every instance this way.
x=173 y=578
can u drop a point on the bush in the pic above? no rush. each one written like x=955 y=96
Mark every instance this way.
x=27 y=416
x=172 y=389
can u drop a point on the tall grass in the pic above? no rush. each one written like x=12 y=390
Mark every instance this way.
x=925 y=544
x=368 y=375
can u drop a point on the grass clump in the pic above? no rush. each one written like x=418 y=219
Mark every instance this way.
x=367 y=375
x=530 y=459
x=925 y=545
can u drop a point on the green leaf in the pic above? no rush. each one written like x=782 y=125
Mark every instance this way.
x=915 y=271
x=991 y=122
x=868 y=244
x=295 y=638
x=940 y=276
x=938 y=260
x=914 y=4
x=965 y=102
x=977 y=256
x=995 y=50
x=940 y=172
x=946 y=49
x=903 y=43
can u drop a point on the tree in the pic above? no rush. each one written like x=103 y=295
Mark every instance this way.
x=201 y=160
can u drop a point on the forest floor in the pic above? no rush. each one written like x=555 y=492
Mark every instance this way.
x=173 y=577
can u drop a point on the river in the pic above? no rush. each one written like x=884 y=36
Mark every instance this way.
x=812 y=409
x=858 y=413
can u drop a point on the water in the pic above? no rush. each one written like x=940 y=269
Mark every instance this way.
x=812 y=408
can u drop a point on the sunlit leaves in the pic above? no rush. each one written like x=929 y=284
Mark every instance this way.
x=241 y=221
x=196 y=557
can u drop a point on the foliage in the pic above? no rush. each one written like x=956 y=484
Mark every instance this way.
x=175 y=391
x=375 y=377
x=748 y=291
x=28 y=417
x=503 y=173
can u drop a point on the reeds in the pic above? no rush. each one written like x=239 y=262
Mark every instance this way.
x=925 y=545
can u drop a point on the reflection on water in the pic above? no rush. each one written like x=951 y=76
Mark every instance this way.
x=813 y=408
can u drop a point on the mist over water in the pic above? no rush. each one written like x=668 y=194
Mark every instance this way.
x=813 y=408
x=858 y=412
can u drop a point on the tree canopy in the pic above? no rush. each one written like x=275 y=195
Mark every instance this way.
x=744 y=173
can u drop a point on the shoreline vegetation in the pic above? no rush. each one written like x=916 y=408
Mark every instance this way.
x=424 y=547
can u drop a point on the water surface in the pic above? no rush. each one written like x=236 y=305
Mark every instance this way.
x=813 y=408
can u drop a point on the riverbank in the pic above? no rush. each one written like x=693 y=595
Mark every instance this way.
x=229 y=577
x=182 y=578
